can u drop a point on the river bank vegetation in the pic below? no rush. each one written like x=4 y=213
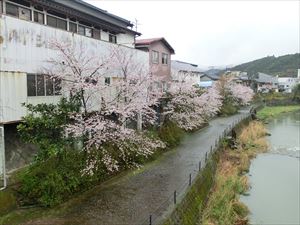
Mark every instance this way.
x=272 y=111
x=223 y=206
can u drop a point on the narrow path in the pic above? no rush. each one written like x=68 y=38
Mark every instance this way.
x=131 y=199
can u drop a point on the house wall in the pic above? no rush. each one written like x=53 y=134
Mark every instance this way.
x=193 y=78
x=159 y=69
x=25 y=49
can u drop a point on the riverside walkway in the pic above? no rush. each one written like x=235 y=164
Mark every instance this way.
x=131 y=198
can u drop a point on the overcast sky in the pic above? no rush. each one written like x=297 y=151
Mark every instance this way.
x=214 y=33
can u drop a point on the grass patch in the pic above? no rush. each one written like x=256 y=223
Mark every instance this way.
x=223 y=206
x=8 y=201
x=273 y=111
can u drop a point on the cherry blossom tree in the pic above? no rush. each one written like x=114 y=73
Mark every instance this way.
x=107 y=107
x=238 y=93
x=190 y=107
x=241 y=93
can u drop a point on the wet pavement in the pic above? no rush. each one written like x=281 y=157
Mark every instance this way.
x=130 y=199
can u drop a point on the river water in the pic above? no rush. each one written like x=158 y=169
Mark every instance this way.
x=274 y=197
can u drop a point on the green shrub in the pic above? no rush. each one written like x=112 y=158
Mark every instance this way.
x=228 y=108
x=50 y=182
x=170 y=133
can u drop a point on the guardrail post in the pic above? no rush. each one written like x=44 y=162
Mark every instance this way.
x=199 y=166
x=190 y=180
x=205 y=156
x=150 y=220
x=175 y=195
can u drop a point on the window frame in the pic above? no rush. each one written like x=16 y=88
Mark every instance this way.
x=35 y=12
x=164 y=58
x=153 y=59
x=56 y=21
x=18 y=6
x=75 y=26
x=107 y=81
x=112 y=38
x=55 y=87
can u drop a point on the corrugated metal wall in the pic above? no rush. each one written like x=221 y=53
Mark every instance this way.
x=25 y=49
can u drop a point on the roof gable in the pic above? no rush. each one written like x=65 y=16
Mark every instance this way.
x=147 y=42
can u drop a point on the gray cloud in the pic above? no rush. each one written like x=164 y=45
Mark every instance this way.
x=216 y=32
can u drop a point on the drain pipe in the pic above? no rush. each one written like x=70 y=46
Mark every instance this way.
x=2 y=152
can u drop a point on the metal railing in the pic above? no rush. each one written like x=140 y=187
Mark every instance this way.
x=169 y=212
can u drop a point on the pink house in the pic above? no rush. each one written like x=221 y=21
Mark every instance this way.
x=160 y=52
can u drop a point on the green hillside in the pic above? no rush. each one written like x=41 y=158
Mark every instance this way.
x=285 y=65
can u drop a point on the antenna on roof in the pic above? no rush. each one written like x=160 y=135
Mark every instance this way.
x=136 y=23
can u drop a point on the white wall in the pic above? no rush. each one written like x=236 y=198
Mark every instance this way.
x=25 y=49
x=188 y=77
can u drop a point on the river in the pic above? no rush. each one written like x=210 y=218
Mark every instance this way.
x=274 y=197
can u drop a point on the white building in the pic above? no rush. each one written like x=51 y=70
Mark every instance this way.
x=286 y=84
x=183 y=71
x=27 y=27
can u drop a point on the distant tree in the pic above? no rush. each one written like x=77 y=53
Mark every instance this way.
x=285 y=65
x=189 y=106
x=296 y=92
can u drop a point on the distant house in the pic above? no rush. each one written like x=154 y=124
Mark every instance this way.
x=208 y=80
x=183 y=71
x=160 y=52
x=286 y=84
x=245 y=79
x=266 y=83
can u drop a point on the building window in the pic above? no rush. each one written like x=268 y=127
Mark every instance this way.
x=88 y=32
x=24 y=14
x=97 y=34
x=49 y=85
x=62 y=24
x=107 y=80
x=81 y=30
x=85 y=31
x=11 y=9
x=155 y=57
x=56 y=22
x=164 y=58
x=31 y=85
x=38 y=17
x=73 y=27
x=57 y=86
x=20 y=12
x=42 y=85
x=112 y=38
x=17 y=11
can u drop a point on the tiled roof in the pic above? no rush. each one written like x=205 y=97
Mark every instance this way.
x=184 y=66
x=148 y=41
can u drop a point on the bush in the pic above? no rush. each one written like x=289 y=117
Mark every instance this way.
x=228 y=108
x=44 y=126
x=50 y=182
x=170 y=133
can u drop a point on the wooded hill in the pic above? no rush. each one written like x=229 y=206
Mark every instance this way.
x=286 y=65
